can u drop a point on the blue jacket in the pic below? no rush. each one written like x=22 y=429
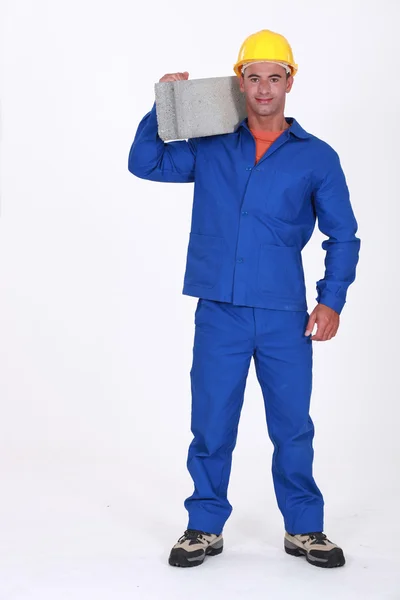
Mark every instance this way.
x=251 y=221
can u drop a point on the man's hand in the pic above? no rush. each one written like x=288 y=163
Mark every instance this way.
x=174 y=76
x=327 y=321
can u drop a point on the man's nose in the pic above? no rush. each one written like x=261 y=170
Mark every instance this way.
x=264 y=87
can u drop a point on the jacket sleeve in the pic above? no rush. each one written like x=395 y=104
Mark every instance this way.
x=152 y=158
x=336 y=220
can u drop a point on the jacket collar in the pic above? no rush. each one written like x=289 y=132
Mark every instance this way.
x=295 y=128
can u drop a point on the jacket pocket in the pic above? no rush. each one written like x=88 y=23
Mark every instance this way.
x=286 y=194
x=204 y=260
x=280 y=272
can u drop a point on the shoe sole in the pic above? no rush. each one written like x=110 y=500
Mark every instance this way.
x=181 y=558
x=335 y=558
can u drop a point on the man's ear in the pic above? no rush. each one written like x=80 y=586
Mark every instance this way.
x=289 y=83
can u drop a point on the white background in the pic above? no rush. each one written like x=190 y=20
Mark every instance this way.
x=96 y=337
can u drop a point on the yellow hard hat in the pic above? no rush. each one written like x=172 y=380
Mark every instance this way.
x=265 y=45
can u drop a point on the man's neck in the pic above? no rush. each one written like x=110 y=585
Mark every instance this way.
x=273 y=123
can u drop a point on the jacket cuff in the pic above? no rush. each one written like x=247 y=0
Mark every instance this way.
x=331 y=300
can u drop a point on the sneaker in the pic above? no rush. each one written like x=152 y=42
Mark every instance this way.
x=192 y=548
x=318 y=550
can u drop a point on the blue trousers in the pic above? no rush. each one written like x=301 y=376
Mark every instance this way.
x=226 y=338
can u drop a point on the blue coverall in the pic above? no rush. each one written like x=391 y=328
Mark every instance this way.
x=249 y=224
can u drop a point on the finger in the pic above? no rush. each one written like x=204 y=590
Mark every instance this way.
x=310 y=324
x=326 y=335
x=331 y=330
x=175 y=76
x=331 y=333
x=319 y=335
x=316 y=338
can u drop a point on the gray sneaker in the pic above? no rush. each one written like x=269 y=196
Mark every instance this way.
x=318 y=550
x=193 y=546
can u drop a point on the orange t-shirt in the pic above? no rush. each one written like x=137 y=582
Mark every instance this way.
x=264 y=139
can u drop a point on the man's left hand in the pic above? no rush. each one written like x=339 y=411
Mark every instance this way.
x=327 y=321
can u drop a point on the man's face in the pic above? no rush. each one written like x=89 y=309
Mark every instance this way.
x=265 y=86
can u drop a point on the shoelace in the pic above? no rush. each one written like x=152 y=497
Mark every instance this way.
x=192 y=534
x=317 y=538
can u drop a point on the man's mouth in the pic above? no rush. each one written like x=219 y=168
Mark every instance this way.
x=263 y=100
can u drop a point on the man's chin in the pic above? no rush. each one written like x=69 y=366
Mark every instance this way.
x=263 y=110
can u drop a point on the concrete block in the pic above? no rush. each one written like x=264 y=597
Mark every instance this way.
x=198 y=107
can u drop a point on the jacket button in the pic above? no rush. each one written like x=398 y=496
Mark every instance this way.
x=244 y=212
x=239 y=260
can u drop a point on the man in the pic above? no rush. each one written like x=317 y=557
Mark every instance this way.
x=257 y=194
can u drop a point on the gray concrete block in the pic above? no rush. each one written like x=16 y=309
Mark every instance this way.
x=198 y=107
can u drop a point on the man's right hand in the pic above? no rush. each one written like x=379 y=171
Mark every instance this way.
x=174 y=76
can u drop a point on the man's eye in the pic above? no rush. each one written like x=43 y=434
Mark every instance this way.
x=253 y=79
x=275 y=79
